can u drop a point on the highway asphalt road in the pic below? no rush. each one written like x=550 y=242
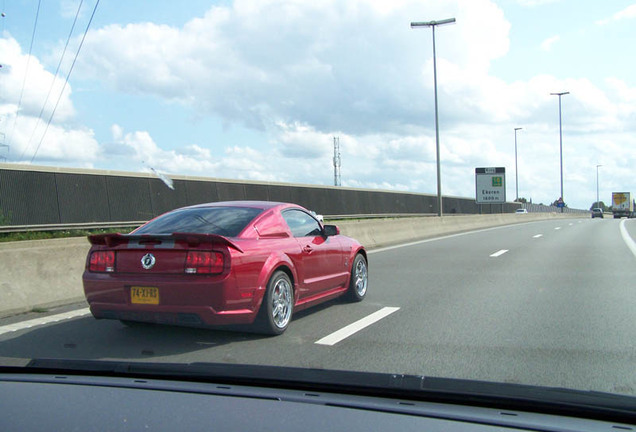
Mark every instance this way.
x=549 y=303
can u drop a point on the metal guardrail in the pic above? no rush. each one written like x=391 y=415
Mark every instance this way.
x=68 y=227
x=126 y=224
x=377 y=216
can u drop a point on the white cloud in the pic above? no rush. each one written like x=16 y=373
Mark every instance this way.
x=68 y=8
x=26 y=131
x=628 y=13
x=262 y=62
x=138 y=151
x=546 y=45
x=33 y=85
x=534 y=3
x=25 y=137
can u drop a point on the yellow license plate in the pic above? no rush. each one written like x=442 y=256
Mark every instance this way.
x=144 y=295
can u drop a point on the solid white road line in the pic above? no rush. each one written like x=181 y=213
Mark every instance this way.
x=499 y=253
x=626 y=238
x=44 y=320
x=537 y=236
x=355 y=327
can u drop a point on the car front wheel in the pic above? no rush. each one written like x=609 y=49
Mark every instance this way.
x=359 y=279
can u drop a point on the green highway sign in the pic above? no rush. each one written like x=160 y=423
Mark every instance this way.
x=490 y=185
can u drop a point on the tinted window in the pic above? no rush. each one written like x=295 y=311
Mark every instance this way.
x=301 y=224
x=225 y=221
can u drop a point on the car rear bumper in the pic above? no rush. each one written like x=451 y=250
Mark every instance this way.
x=198 y=301
x=187 y=316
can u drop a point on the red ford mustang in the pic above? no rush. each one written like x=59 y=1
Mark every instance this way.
x=237 y=262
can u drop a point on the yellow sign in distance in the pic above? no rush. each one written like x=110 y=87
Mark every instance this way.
x=619 y=198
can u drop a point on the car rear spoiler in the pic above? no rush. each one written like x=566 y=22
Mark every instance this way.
x=192 y=239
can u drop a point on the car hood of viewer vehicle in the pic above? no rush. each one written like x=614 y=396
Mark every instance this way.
x=548 y=400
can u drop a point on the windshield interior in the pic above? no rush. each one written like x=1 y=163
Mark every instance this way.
x=474 y=161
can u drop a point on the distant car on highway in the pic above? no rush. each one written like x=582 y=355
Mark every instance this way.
x=236 y=262
x=521 y=211
x=597 y=212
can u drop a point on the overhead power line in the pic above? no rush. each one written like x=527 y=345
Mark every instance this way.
x=65 y=81
x=46 y=100
x=26 y=72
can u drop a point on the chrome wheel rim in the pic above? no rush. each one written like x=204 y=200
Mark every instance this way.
x=360 y=276
x=281 y=303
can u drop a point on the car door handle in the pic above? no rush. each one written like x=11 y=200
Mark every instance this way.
x=308 y=249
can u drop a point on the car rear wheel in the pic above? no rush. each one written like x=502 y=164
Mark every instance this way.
x=278 y=304
x=359 y=279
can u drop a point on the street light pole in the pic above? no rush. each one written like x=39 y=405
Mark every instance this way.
x=516 y=169
x=432 y=25
x=597 y=203
x=560 y=140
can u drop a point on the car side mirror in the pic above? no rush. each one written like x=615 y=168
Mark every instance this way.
x=331 y=230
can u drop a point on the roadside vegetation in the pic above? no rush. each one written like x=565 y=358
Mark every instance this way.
x=44 y=235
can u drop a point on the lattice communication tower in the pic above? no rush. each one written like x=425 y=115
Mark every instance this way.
x=336 y=161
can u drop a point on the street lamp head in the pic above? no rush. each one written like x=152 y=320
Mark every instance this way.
x=432 y=23
x=516 y=129
x=560 y=93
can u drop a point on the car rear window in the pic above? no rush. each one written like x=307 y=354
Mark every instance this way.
x=225 y=221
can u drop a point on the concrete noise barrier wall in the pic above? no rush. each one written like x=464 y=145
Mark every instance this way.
x=45 y=195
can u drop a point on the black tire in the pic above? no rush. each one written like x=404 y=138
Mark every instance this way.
x=278 y=305
x=359 y=281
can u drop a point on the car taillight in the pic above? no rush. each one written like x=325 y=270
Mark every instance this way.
x=204 y=262
x=102 y=261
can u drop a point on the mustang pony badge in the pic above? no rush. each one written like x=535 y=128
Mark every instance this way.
x=148 y=261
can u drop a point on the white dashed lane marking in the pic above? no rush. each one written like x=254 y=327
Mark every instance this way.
x=43 y=321
x=499 y=253
x=355 y=327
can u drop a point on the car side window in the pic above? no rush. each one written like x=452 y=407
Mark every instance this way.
x=301 y=224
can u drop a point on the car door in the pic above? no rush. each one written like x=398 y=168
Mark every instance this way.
x=320 y=263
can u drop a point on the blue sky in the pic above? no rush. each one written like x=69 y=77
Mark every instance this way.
x=257 y=89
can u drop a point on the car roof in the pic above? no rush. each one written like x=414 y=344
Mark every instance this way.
x=264 y=205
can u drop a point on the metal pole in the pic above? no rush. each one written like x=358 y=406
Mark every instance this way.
x=439 y=171
x=432 y=24
x=516 y=168
x=561 y=142
x=597 y=203
x=561 y=150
